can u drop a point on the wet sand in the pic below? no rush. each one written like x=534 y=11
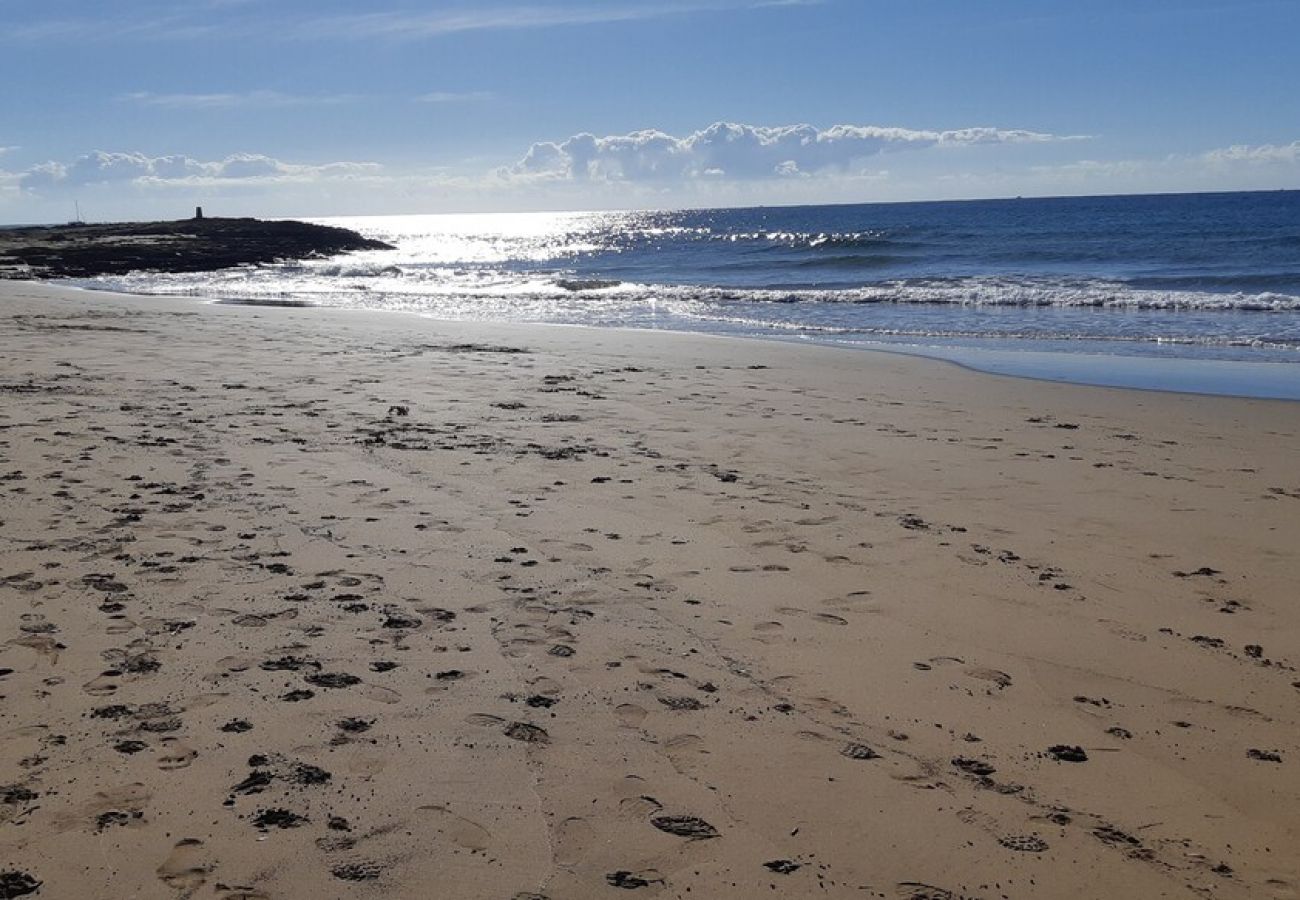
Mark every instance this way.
x=312 y=604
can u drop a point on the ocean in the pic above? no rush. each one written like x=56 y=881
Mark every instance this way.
x=1186 y=292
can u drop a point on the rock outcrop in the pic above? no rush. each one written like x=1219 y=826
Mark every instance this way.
x=186 y=245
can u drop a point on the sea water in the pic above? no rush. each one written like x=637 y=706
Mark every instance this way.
x=1184 y=292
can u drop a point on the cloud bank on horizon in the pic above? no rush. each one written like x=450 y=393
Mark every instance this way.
x=721 y=154
x=729 y=150
x=724 y=150
x=101 y=168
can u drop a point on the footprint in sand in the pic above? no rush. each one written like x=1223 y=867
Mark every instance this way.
x=447 y=679
x=43 y=644
x=1127 y=634
x=630 y=715
x=809 y=522
x=176 y=755
x=202 y=701
x=101 y=686
x=28 y=732
x=523 y=732
x=518 y=647
x=632 y=790
x=185 y=868
x=855 y=750
x=105 y=809
x=638 y=809
x=916 y=890
x=685 y=751
x=459 y=830
x=230 y=665
x=485 y=719
x=834 y=707
x=573 y=838
x=368 y=766
x=543 y=685
x=379 y=694
x=1001 y=679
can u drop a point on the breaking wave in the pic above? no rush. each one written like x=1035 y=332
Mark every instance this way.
x=1176 y=275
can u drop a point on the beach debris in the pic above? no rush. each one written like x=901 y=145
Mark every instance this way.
x=278 y=818
x=1067 y=753
x=17 y=884
x=332 y=680
x=1203 y=572
x=858 y=751
x=691 y=827
x=681 y=704
x=629 y=881
x=529 y=734
x=977 y=767
x=1023 y=843
x=357 y=872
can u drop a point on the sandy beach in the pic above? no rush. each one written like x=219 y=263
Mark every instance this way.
x=301 y=603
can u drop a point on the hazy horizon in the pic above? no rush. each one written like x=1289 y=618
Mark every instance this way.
x=182 y=213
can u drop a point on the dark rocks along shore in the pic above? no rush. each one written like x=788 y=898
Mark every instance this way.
x=186 y=245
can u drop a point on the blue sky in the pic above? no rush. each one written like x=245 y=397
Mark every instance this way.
x=317 y=107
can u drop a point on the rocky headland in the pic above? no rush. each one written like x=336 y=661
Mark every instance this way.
x=187 y=245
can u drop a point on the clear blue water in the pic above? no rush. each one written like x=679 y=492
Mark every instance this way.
x=1191 y=278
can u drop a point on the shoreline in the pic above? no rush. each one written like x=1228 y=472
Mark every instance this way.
x=1270 y=381
x=306 y=605
x=1280 y=388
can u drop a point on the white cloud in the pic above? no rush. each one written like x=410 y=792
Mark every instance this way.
x=726 y=150
x=1199 y=171
x=642 y=170
x=101 y=168
x=1262 y=153
x=1236 y=168
x=246 y=100
x=407 y=24
x=9 y=183
x=171 y=23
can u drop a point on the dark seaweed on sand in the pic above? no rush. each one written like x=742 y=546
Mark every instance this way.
x=278 y=818
x=691 y=827
x=17 y=884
